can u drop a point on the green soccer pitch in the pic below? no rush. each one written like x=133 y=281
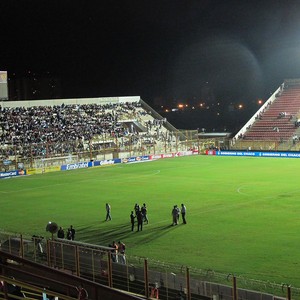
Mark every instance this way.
x=243 y=214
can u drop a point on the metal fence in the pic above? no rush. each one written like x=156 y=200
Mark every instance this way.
x=151 y=278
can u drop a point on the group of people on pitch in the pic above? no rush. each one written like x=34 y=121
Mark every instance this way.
x=140 y=213
x=176 y=211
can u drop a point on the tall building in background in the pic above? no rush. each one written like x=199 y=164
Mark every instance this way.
x=3 y=85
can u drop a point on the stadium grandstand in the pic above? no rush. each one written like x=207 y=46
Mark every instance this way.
x=275 y=126
x=47 y=133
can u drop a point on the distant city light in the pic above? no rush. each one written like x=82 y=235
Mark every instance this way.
x=260 y=102
x=240 y=106
x=180 y=105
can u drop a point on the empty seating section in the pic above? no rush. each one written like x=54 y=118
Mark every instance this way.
x=278 y=121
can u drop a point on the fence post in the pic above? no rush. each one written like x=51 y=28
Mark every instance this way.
x=5 y=290
x=188 y=284
x=109 y=269
x=289 y=293
x=21 y=246
x=167 y=285
x=62 y=255
x=77 y=261
x=48 y=253
x=93 y=265
x=146 y=278
x=234 y=288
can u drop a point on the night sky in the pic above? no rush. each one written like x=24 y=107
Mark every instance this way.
x=158 y=49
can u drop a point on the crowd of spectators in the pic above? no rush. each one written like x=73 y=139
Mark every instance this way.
x=63 y=129
x=56 y=125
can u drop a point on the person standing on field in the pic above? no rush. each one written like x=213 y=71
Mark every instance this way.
x=140 y=221
x=144 y=212
x=183 y=211
x=72 y=232
x=174 y=215
x=108 y=212
x=178 y=213
x=132 y=217
x=61 y=233
x=136 y=209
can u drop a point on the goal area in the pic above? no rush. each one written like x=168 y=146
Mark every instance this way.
x=55 y=161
